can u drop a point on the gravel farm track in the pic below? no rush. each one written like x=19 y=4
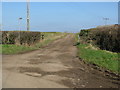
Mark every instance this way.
x=53 y=66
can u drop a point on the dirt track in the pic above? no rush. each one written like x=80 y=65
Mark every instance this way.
x=55 y=66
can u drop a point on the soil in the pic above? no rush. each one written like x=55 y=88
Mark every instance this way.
x=54 y=66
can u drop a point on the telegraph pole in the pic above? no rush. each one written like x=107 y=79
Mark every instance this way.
x=19 y=27
x=19 y=19
x=28 y=15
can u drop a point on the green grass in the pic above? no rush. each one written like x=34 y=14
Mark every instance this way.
x=50 y=37
x=102 y=58
x=15 y=49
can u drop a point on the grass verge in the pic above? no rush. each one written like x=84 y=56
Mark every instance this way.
x=102 y=58
x=14 y=49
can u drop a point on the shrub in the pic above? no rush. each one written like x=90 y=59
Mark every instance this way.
x=107 y=38
x=20 y=37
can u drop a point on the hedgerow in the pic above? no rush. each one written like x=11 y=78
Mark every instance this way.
x=106 y=38
x=20 y=37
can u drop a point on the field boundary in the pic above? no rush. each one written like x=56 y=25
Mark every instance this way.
x=36 y=46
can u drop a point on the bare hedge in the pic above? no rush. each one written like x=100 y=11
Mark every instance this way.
x=20 y=37
x=106 y=38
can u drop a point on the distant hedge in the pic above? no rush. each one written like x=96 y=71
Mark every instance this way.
x=106 y=38
x=20 y=37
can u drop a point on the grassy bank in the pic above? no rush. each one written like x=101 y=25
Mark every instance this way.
x=15 y=49
x=102 y=58
x=49 y=37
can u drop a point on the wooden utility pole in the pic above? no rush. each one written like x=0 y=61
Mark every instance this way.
x=19 y=29
x=28 y=15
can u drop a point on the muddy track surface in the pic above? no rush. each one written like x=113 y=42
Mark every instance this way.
x=54 y=66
